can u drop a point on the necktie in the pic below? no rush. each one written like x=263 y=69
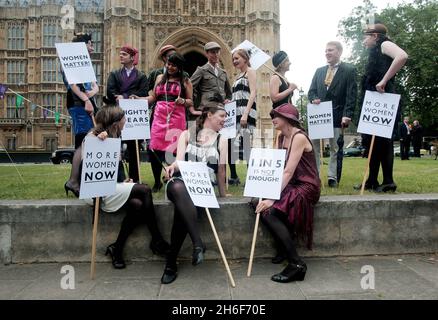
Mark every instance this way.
x=216 y=71
x=329 y=76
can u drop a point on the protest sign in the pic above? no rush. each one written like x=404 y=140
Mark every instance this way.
x=265 y=173
x=320 y=120
x=197 y=181
x=257 y=56
x=229 y=130
x=137 y=126
x=378 y=115
x=100 y=167
x=75 y=62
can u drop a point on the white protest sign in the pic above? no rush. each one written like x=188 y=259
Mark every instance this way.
x=378 y=114
x=137 y=126
x=257 y=57
x=76 y=63
x=320 y=120
x=229 y=130
x=100 y=167
x=265 y=173
x=198 y=184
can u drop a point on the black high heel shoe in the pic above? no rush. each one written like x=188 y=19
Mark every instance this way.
x=279 y=258
x=198 y=255
x=170 y=274
x=292 y=272
x=160 y=247
x=157 y=188
x=116 y=256
x=68 y=187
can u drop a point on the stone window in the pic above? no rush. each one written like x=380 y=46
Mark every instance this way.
x=156 y=6
x=51 y=70
x=201 y=6
x=98 y=71
x=222 y=6
x=16 y=72
x=96 y=37
x=49 y=102
x=186 y=6
x=11 y=110
x=51 y=33
x=215 y=6
x=16 y=37
x=230 y=6
x=172 y=6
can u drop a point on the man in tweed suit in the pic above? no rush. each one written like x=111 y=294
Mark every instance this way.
x=334 y=82
x=210 y=82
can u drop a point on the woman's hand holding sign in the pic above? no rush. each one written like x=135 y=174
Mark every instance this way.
x=170 y=170
x=264 y=205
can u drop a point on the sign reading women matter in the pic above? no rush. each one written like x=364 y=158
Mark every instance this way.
x=257 y=57
x=229 y=130
x=100 y=167
x=198 y=184
x=320 y=120
x=137 y=126
x=265 y=173
x=76 y=63
x=379 y=111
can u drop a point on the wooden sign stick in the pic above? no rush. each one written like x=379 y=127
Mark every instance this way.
x=233 y=284
x=254 y=239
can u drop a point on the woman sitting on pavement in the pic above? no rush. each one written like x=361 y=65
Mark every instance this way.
x=134 y=197
x=206 y=146
x=300 y=192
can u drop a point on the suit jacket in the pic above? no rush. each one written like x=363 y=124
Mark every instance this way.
x=208 y=88
x=342 y=91
x=139 y=87
x=404 y=132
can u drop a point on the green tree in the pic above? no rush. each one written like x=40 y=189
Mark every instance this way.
x=413 y=27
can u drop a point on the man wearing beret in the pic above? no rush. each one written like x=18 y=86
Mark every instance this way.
x=210 y=82
x=335 y=82
x=123 y=83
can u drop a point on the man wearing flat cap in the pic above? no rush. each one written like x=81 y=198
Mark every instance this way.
x=210 y=82
x=122 y=84
x=335 y=82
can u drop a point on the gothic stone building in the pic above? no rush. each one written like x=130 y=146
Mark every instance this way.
x=29 y=30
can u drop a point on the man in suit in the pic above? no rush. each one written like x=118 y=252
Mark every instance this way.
x=334 y=82
x=210 y=82
x=405 y=139
x=123 y=83
x=417 y=138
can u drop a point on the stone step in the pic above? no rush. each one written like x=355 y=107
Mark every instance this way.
x=61 y=230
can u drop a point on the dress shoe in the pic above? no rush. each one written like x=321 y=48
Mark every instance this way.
x=279 y=258
x=234 y=181
x=332 y=183
x=116 y=256
x=198 y=255
x=157 y=187
x=170 y=274
x=367 y=187
x=292 y=272
x=159 y=247
x=391 y=187
x=68 y=187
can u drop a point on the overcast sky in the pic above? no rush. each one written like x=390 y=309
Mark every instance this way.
x=306 y=27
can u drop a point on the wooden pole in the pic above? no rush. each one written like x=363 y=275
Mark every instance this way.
x=233 y=284
x=254 y=239
x=321 y=153
x=93 y=245
x=362 y=190
x=138 y=160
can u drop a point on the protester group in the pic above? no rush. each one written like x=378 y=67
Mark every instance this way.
x=175 y=99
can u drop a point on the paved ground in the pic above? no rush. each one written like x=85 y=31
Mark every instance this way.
x=396 y=277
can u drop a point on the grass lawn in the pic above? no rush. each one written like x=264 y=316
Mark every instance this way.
x=47 y=181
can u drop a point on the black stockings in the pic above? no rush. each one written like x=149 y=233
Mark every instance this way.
x=281 y=229
x=185 y=219
x=139 y=209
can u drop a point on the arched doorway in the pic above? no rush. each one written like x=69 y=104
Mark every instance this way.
x=193 y=60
